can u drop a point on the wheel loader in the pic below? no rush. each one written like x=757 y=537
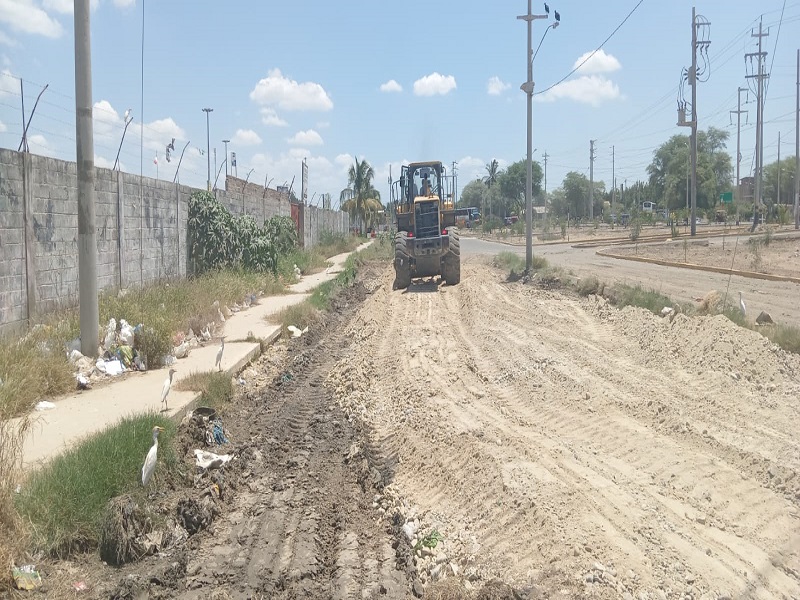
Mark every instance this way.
x=427 y=242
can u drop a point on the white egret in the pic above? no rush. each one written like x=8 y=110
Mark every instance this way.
x=165 y=389
x=742 y=305
x=218 y=362
x=150 y=462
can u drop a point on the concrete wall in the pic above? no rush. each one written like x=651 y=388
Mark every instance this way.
x=141 y=230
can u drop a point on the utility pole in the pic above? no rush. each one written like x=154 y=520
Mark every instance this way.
x=84 y=134
x=797 y=150
x=760 y=76
x=613 y=180
x=738 y=112
x=545 y=184
x=693 y=83
x=226 y=142
x=778 y=199
x=455 y=164
x=691 y=76
x=527 y=87
x=591 y=179
x=208 y=147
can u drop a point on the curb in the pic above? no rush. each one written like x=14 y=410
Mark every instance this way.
x=233 y=370
x=695 y=267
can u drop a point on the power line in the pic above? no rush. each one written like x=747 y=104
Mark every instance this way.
x=638 y=4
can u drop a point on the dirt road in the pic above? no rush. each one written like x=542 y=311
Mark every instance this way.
x=569 y=447
x=780 y=299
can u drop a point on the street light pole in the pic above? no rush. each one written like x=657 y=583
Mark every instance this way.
x=208 y=147
x=527 y=87
x=226 y=156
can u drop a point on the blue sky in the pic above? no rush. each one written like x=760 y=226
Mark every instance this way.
x=389 y=82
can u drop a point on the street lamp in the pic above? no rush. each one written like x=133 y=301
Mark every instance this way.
x=226 y=156
x=128 y=118
x=527 y=87
x=208 y=147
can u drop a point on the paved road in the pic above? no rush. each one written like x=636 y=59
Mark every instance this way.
x=781 y=300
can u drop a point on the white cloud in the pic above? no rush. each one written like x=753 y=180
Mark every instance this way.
x=496 y=86
x=26 y=17
x=3 y=127
x=124 y=3
x=65 y=6
x=306 y=138
x=9 y=84
x=323 y=175
x=270 y=118
x=39 y=145
x=589 y=89
x=287 y=94
x=391 y=86
x=434 y=84
x=6 y=40
x=600 y=62
x=469 y=169
x=102 y=162
x=245 y=137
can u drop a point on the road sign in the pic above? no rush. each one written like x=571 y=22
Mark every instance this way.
x=726 y=197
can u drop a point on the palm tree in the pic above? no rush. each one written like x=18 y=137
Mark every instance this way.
x=359 y=180
x=492 y=173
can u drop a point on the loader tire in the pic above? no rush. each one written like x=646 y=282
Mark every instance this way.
x=452 y=261
x=402 y=261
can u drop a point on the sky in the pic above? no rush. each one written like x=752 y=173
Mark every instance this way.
x=389 y=82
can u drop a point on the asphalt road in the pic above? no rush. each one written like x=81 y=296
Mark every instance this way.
x=781 y=300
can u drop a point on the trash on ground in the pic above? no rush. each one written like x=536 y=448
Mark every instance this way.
x=26 y=577
x=181 y=351
x=297 y=332
x=114 y=367
x=208 y=460
x=45 y=405
x=125 y=355
x=111 y=334
x=218 y=432
x=80 y=586
x=83 y=382
x=75 y=356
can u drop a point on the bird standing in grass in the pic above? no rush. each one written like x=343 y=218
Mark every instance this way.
x=165 y=389
x=742 y=305
x=150 y=462
x=218 y=362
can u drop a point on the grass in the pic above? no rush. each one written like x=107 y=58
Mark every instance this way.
x=215 y=387
x=510 y=261
x=64 y=501
x=316 y=258
x=622 y=295
x=310 y=311
x=786 y=337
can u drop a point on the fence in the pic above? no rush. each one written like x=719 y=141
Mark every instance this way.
x=141 y=230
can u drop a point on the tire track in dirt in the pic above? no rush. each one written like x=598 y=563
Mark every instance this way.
x=547 y=433
x=302 y=524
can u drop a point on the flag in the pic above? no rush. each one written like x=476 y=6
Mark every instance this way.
x=233 y=159
x=155 y=160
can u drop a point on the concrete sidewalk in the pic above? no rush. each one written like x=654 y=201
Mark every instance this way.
x=92 y=410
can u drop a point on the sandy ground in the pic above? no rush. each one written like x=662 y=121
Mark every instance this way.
x=778 y=257
x=561 y=444
x=548 y=442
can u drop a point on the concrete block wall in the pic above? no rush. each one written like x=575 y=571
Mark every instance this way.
x=141 y=230
x=13 y=295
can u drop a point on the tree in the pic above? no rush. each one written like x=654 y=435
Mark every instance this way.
x=576 y=194
x=492 y=173
x=512 y=183
x=668 y=170
x=787 y=168
x=473 y=194
x=359 y=181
